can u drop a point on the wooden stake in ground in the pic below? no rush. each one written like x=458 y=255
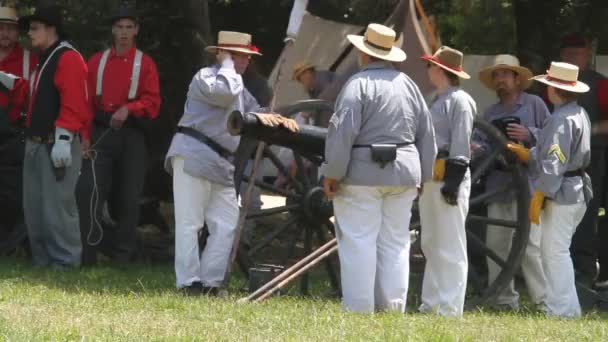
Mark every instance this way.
x=243 y=213
x=258 y=157
x=294 y=271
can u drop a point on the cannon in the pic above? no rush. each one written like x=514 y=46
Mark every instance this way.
x=307 y=212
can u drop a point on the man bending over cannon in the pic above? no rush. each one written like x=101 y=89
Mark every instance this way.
x=200 y=160
x=380 y=147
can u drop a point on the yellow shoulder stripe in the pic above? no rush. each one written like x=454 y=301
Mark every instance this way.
x=558 y=152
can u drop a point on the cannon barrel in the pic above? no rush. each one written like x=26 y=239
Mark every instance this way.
x=310 y=140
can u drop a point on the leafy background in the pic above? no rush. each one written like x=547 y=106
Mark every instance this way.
x=175 y=32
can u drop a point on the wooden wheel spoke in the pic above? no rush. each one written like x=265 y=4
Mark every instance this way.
x=480 y=199
x=485 y=165
x=487 y=251
x=273 y=235
x=283 y=170
x=302 y=172
x=494 y=222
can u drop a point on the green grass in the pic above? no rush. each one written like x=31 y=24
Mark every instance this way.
x=139 y=303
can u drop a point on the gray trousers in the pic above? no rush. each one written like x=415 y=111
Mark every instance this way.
x=50 y=208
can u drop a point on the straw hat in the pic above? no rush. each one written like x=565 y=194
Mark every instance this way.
x=448 y=59
x=300 y=68
x=563 y=76
x=378 y=42
x=234 y=41
x=508 y=62
x=8 y=15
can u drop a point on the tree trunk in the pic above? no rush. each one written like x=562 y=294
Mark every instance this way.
x=535 y=38
x=197 y=17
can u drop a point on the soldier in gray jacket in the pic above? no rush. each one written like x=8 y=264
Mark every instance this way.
x=444 y=204
x=562 y=189
x=380 y=148
x=203 y=184
x=521 y=115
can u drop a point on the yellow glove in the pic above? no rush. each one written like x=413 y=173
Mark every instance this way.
x=522 y=153
x=536 y=206
x=439 y=170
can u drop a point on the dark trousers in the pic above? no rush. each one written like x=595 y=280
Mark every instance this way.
x=584 y=246
x=120 y=168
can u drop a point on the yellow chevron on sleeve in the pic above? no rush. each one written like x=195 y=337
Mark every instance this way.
x=558 y=152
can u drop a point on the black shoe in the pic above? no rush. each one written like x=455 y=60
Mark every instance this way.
x=194 y=289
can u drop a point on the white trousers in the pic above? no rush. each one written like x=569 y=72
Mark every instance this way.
x=373 y=246
x=559 y=223
x=199 y=201
x=499 y=239
x=444 y=243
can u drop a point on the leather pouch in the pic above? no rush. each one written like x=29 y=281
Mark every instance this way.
x=383 y=154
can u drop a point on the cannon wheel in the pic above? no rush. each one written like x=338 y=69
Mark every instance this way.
x=305 y=218
x=307 y=208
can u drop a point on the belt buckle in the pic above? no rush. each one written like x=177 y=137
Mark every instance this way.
x=41 y=140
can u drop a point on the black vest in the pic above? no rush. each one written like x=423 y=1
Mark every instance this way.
x=46 y=105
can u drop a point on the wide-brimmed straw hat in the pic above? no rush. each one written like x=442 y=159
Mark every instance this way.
x=234 y=41
x=508 y=62
x=300 y=68
x=378 y=42
x=563 y=76
x=8 y=15
x=448 y=59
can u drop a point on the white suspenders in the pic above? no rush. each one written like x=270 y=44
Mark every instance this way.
x=34 y=85
x=26 y=64
x=135 y=73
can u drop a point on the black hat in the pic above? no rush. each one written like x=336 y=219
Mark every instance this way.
x=124 y=12
x=51 y=15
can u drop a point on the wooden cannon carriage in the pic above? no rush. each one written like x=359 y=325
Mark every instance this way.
x=307 y=211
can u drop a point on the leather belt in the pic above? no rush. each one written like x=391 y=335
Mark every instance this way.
x=41 y=140
x=574 y=173
x=370 y=145
x=219 y=149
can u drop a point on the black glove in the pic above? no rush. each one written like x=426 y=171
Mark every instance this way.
x=454 y=174
x=504 y=122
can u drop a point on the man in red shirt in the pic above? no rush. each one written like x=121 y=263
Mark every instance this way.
x=126 y=96
x=20 y=62
x=576 y=48
x=57 y=109
x=14 y=59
